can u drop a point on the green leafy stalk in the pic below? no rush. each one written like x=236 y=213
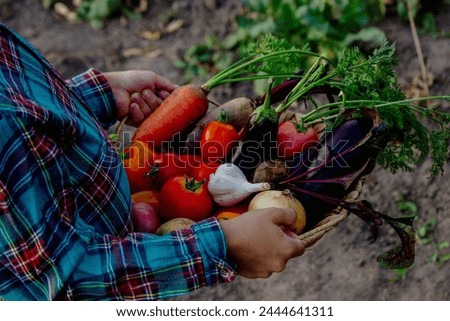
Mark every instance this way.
x=265 y=111
x=269 y=59
x=332 y=110
x=311 y=79
x=371 y=83
x=192 y=185
x=363 y=82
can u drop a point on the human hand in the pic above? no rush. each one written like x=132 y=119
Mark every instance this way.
x=257 y=241
x=138 y=93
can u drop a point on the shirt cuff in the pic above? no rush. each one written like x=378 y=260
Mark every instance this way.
x=96 y=92
x=211 y=241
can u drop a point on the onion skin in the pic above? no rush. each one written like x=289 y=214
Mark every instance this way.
x=174 y=224
x=280 y=199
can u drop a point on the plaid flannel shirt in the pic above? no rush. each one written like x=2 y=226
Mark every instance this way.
x=65 y=201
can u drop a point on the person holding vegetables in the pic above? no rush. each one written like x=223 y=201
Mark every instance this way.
x=65 y=204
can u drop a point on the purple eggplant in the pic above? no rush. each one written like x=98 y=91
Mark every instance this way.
x=260 y=142
x=279 y=92
x=259 y=145
x=322 y=185
x=330 y=169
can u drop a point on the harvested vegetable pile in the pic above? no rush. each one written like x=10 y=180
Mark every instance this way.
x=311 y=137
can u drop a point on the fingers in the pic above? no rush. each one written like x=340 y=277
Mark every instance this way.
x=162 y=94
x=142 y=102
x=297 y=248
x=136 y=115
x=142 y=105
x=285 y=217
x=151 y=99
x=139 y=109
x=260 y=242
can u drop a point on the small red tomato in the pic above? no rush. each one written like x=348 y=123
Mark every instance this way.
x=203 y=170
x=217 y=141
x=182 y=197
x=290 y=141
x=165 y=166
x=138 y=158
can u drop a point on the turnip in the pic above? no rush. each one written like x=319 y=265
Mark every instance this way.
x=271 y=172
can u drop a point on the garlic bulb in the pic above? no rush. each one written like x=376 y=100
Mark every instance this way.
x=228 y=185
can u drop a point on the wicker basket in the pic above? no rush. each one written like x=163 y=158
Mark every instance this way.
x=332 y=219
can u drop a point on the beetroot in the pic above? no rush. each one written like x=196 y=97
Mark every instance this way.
x=145 y=218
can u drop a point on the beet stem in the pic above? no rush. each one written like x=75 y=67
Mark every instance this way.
x=325 y=198
x=292 y=178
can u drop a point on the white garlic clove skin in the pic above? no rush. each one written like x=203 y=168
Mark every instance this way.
x=228 y=185
x=257 y=187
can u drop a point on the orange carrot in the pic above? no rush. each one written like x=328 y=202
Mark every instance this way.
x=184 y=107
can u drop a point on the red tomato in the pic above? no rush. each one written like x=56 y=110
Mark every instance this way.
x=204 y=170
x=217 y=141
x=137 y=161
x=290 y=141
x=165 y=166
x=186 y=198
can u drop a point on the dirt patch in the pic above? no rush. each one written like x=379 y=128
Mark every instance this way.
x=342 y=266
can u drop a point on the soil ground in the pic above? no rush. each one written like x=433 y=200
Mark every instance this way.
x=341 y=266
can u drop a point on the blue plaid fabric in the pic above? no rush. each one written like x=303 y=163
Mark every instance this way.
x=65 y=201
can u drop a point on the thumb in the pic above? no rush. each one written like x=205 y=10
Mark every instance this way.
x=298 y=247
x=285 y=217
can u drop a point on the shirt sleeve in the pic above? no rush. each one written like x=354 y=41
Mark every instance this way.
x=145 y=266
x=49 y=250
x=96 y=93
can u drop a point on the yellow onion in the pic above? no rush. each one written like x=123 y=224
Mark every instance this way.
x=280 y=199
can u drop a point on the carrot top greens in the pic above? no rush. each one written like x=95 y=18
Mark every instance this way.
x=372 y=82
x=268 y=58
x=363 y=82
